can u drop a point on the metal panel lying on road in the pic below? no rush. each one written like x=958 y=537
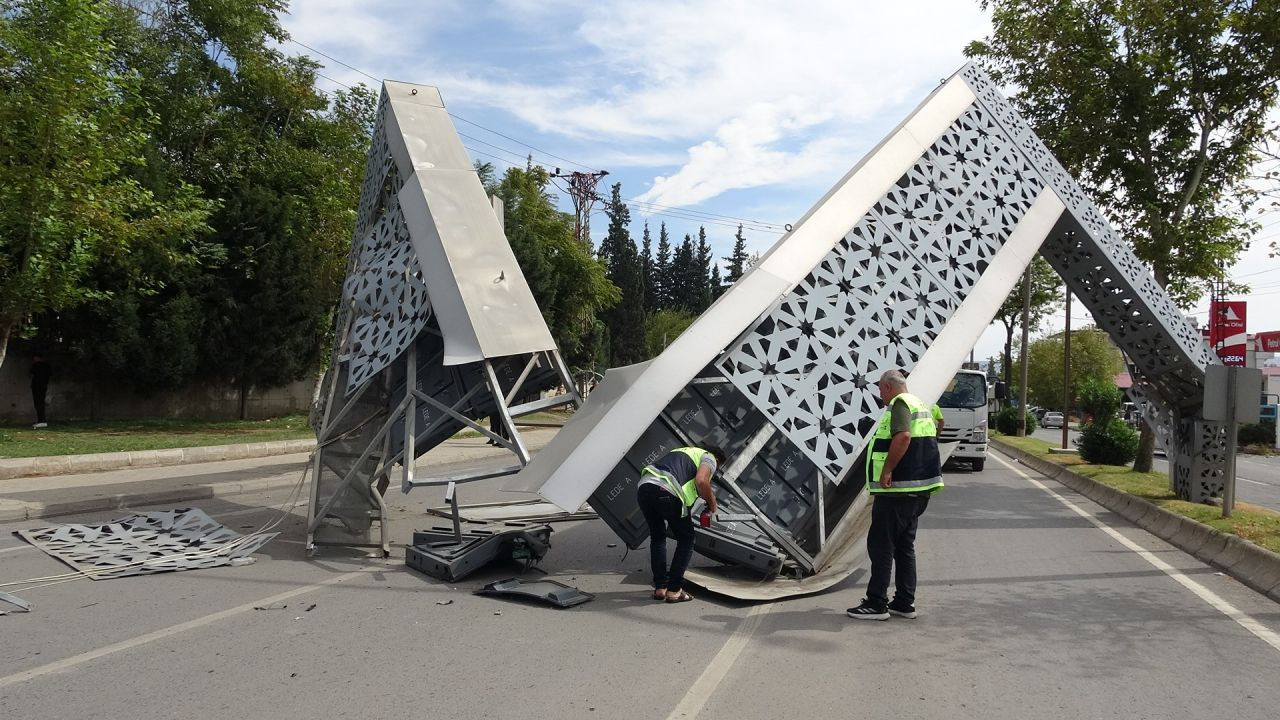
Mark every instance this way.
x=146 y=543
x=548 y=591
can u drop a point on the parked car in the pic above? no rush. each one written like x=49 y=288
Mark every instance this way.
x=1052 y=419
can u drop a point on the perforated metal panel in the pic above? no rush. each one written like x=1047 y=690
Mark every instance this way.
x=917 y=257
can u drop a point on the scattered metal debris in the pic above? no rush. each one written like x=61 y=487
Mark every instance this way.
x=270 y=607
x=548 y=591
x=310 y=607
x=14 y=600
x=146 y=543
x=444 y=602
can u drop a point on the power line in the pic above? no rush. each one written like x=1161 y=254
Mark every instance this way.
x=452 y=115
x=691 y=211
x=490 y=155
x=330 y=57
x=544 y=152
x=723 y=223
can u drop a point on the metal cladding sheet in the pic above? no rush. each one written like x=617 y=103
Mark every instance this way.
x=480 y=297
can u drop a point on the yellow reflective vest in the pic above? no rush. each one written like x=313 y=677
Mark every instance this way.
x=673 y=467
x=919 y=470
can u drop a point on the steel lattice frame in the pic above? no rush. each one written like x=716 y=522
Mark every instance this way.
x=406 y=372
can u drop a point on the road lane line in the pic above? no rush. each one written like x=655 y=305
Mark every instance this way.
x=1244 y=620
x=1255 y=482
x=84 y=657
x=718 y=668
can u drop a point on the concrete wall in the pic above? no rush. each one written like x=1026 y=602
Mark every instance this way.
x=68 y=400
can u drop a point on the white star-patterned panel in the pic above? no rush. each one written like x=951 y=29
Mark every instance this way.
x=883 y=293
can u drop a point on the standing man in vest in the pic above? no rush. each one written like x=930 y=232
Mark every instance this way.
x=902 y=472
x=667 y=490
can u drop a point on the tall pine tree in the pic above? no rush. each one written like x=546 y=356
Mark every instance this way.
x=704 y=271
x=625 y=321
x=684 y=274
x=661 y=278
x=737 y=259
x=646 y=272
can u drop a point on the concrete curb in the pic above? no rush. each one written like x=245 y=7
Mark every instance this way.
x=15 y=510
x=1252 y=565
x=97 y=462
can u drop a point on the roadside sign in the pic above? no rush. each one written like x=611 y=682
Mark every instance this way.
x=1217 y=382
x=1268 y=341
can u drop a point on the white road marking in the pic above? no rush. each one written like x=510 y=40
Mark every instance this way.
x=1246 y=621
x=718 y=668
x=74 y=660
x=16 y=547
x=1255 y=482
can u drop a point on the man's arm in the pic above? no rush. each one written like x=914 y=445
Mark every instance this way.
x=897 y=448
x=900 y=426
x=702 y=481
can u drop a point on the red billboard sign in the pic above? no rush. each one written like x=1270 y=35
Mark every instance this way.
x=1227 y=331
x=1268 y=341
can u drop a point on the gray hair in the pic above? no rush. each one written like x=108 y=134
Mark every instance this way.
x=895 y=379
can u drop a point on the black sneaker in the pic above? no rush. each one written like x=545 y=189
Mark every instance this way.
x=867 y=612
x=902 y=611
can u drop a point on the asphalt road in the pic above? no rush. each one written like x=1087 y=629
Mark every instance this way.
x=1028 y=610
x=1257 y=476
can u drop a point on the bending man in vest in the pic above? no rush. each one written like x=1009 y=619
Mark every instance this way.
x=667 y=490
x=902 y=472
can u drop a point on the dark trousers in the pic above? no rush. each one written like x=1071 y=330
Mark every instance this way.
x=661 y=510
x=37 y=397
x=892 y=539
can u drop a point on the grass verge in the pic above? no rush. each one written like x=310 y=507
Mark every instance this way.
x=81 y=437
x=1256 y=524
x=84 y=437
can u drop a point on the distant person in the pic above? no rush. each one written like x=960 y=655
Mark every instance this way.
x=903 y=470
x=666 y=492
x=40 y=372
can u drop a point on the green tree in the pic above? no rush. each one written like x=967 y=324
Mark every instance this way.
x=1159 y=108
x=646 y=271
x=1094 y=359
x=685 y=288
x=251 y=302
x=625 y=320
x=1046 y=292
x=73 y=132
x=570 y=286
x=661 y=278
x=703 y=261
x=716 y=285
x=737 y=258
x=663 y=327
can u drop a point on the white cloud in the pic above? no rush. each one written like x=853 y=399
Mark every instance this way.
x=750 y=92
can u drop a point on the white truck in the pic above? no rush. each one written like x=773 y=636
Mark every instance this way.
x=964 y=416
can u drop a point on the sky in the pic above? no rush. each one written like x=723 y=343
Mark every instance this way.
x=708 y=112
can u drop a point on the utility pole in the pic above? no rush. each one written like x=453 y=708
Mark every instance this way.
x=582 y=189
x=1026 y=332
x=1066 y=372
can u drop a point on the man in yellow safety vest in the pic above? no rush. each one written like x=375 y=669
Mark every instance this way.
x=903 y=470
x=666 y=491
